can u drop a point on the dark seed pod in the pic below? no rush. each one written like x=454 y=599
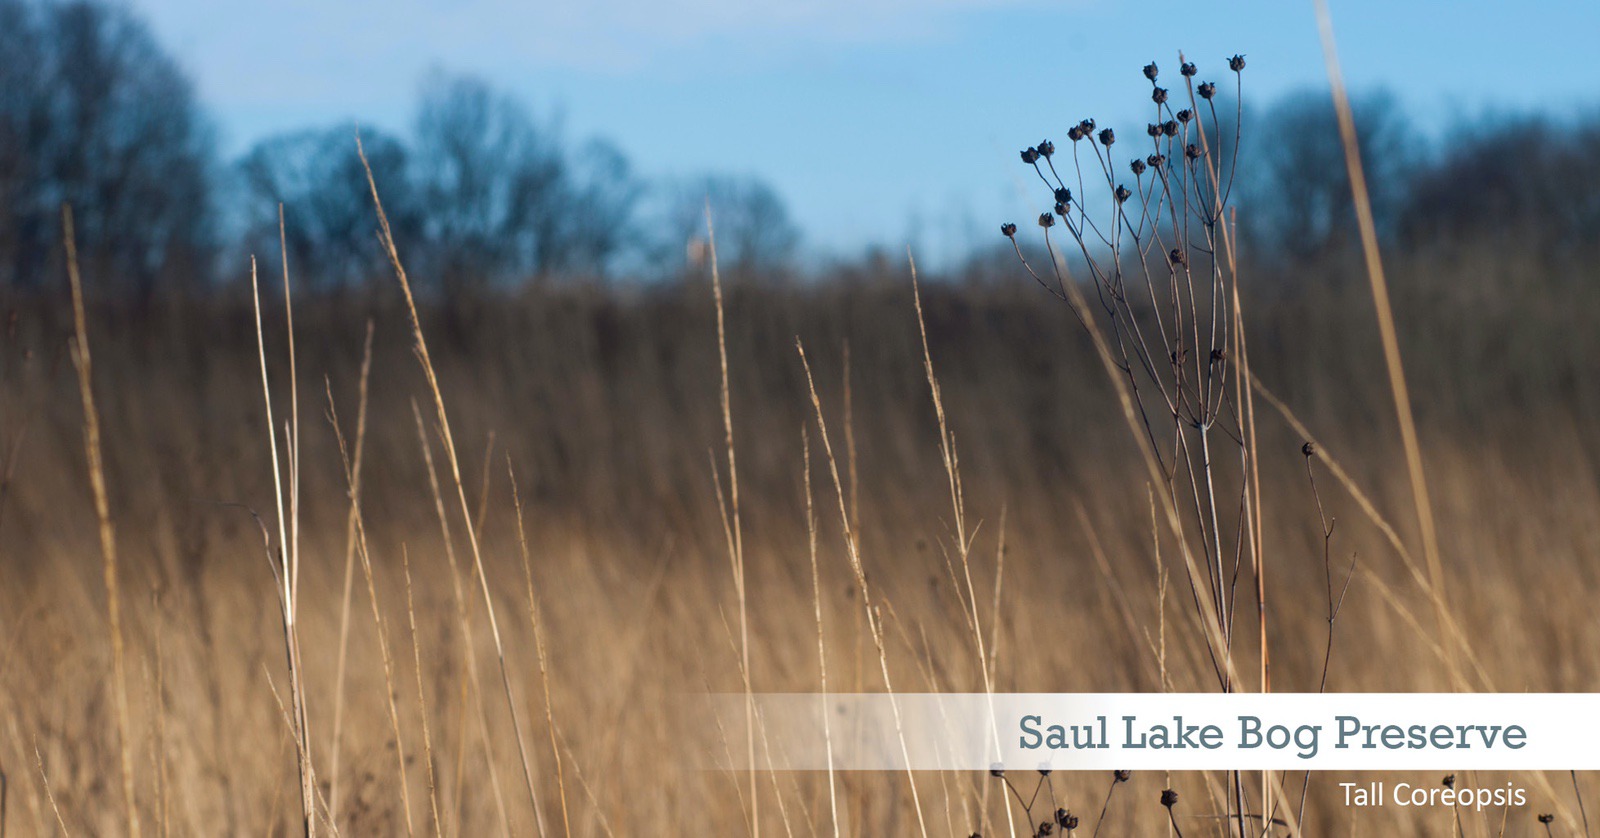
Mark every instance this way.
x=1046 y=148
x=1159 y=95
x=1061 y=209
x=1449 y=781
x=1030 y=155
x=1138 y=167
x=1169 y=798
x=1219 y=355
x=1155 y=160
x=1066 y=819
x=1170 y=128
x=1121 y=776
x=1086 y=126
x=1236 y=63
x=1107 y=137
x=1063 y=196
x=1046 y=220
x=1045 y=828
x=1008 y=230
x=1176 y=257
x=1207 y=90
x=1193 y=152
x=997 y=770
x=1150 y=71
x=1074 y=134
x=1123 y=194
x=1185 y=115
x=1547 y=818
x=1153 y=129
x=1309 y=449
x=1187 y=70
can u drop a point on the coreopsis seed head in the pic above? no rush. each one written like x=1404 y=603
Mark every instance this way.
x=1138 y=167
x=1107 y=137
x=1030 y=155
x=1061 y=209
x=1185 y=115
x=1153 y=129
x=1155 y=160
x=1044 y=771
x=1086 y=126
x=1187 y=70
x=1008 y=230
x=1066 y=819
x=1546 y=818
x=1193 y=152
x=1309 y=449
x=1074 y=134
x=1150 y=71
x=1169 y=798
x=997 y=770
x=1176 y=256
x=1121 y=776
x=1045 y=828
x=1236 y=63
x=1219 y=355
x=1207 y=90
x=1063 y=195
x=1159 y=95
x=1046 y=148
x=1046 y=220
x=1170 y=128
x=1449 y=781
x=1123 y=194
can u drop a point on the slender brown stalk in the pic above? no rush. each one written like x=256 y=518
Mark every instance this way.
x=422 y=695
x=102 y=508
x=538 y=642
x=349 y=575
x=1388 y=334
x=822 y=646
x=421 y=346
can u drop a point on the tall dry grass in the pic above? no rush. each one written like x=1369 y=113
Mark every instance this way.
x=1002 y=529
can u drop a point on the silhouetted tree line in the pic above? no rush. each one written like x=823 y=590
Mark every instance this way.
x=93 y=113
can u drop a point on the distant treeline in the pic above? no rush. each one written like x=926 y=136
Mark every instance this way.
x=482 y=191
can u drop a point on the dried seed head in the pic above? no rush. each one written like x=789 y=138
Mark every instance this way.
x=997 y=770
x=1008 y=230
x=1546 y=818
x=1120 y=776
x=1086 y=126
x=1063 y=195
x=1169 y=798
x=1045 y=828
x=1046 y=220
x=1074 y=134
x=1219 y=355
x=1170 y=128
x=1150 y=71
x=1155 y=160
x=1176 y=256
x=1046 y=148
x=1153 y=129
x=1159 y=95
x=1066 y=820
x=1309 y=449
x=1061 y=208
x=1207 y=90
x=1107 y=137
x=1123 y=194
x=1030 y=155
x=1193 y=152
x=1449 y=781
x=1236 y=63
x=1187 y=70
x=1138 y=167
x=1185 y=115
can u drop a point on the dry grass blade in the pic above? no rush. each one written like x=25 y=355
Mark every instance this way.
x=422 y=696
x=822 y=646
x=102 y=508
x=1387 y=332
x=421 y=346
x=349 y=575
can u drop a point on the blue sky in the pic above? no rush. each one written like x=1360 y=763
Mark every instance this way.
x=880 y=121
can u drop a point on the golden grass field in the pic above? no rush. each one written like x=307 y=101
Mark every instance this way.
x=605 y=404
